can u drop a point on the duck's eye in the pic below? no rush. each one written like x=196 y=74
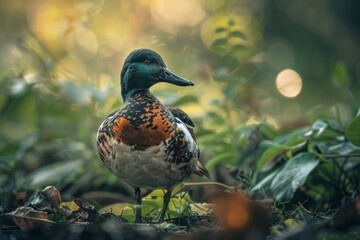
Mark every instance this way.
x=147 y=62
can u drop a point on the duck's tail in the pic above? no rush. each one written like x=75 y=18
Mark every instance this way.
x=201 y=170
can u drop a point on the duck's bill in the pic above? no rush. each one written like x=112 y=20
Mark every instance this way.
x=169 y=77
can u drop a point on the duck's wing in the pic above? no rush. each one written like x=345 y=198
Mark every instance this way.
x=184 y=121
x=184 y=118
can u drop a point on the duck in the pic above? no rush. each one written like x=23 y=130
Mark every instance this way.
x=144 y=143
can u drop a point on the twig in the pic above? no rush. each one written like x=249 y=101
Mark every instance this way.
x=330 y=156
x=190 y=184
x=232 y=189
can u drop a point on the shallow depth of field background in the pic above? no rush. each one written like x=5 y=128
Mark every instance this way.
x=285 y=62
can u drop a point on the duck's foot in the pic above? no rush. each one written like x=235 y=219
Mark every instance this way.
x=138 y=215
x=167 y=197
x=138 y=202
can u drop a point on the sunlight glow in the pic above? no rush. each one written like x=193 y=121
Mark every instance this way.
x=289 y=83
x=186 y=12
x=82 y=42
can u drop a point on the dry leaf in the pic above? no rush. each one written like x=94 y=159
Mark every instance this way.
x=202 y=208
x=71 y=205
x=52 y=193
x=26 y=217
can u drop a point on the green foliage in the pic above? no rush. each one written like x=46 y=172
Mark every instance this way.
x=228 y=39
x=293 y=175
x=340 y=76
x=179 y=205
x=48 y=126
x=352 y=132
x=48 y=119
x=319 y=159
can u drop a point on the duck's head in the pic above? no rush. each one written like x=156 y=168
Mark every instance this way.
x=144 y=68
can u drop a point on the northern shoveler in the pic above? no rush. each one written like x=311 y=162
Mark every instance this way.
x=145 y=143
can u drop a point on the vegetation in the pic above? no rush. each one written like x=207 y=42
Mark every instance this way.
x=283 y=156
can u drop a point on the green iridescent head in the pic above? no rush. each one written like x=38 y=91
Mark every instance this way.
x=144 y=68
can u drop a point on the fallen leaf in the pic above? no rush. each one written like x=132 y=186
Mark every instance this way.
x=202 y=208
x=53 y=194
x=116 y=209
x=71 y=205
x=26 y=217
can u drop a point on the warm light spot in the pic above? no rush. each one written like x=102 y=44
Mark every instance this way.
x=186 y=12
x=105 y=82
x=288 y=83
x=237 y=216
x=82 y=42
x=232 y=211
x=47 y=21
x=71 y=68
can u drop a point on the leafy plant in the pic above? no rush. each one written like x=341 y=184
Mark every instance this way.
x=318 y=161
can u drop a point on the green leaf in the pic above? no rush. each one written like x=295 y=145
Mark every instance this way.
x=296 y=142
x=27 y=143
x=217 y=159
x=169 y=227
x=219 y=42
x=177 y=205
x=54 y=173
x=212 y=138
x=334 y=126
x=344 y=148
x=325 y=129
x=318 y=127
x=150 y=203
x=293 y=175
x=149 y=206
x=265 y=182
x=231 y=21
x=352 y=132
x=269 y=131
x=238 y=47
x=270 y=154
x=340 y=75
x=220 y=29
x=184 y=100
x=238 y=34
x=128 y=214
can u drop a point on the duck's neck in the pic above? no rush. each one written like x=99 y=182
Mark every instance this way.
x=130 y=94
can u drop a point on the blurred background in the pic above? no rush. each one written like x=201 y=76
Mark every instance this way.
x=284 y=62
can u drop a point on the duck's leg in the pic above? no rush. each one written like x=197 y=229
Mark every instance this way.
x=138 y=202
x=167 y=197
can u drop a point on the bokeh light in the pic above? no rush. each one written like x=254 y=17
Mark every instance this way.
x=238 y=216
x=181 y=13
x=232 y=211
x=87 y=41
x=289 y=83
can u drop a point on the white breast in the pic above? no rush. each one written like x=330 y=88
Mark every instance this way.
x=144 y=168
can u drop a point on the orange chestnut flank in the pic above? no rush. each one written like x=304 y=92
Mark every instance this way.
x=145 y=143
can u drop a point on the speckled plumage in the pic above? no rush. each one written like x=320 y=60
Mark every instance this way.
x=144 y=131
x=143 y=142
